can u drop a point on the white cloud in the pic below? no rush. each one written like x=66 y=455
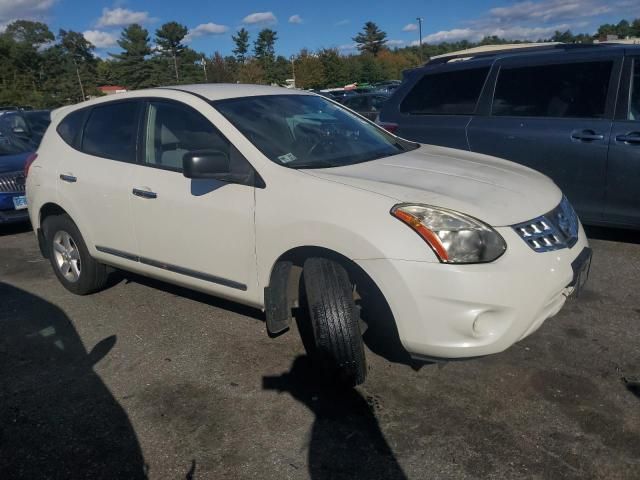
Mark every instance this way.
x=546 y=10
x=533 y=19
x=260 y=18
x=395 y=43
x=477 y=34
x=24 y=9
x=121 y=17
x=348 y=47
x=410 y=27
x=295 y=19
x=342 y=23
x=206 y=29
x=100 y=39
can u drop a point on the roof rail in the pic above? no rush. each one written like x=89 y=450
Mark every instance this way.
x=493 y=50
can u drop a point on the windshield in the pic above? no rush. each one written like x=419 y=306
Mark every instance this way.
x=305 y=131
x=21 y=132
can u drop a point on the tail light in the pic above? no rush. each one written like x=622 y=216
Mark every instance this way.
x=27 y=164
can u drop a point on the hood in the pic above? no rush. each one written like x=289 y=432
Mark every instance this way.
x=13 y=163
x=495 y=191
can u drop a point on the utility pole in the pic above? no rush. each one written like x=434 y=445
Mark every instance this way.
x=419 y=19
x=204 y=67
x=293 y=69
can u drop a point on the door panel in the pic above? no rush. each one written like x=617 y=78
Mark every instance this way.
x=554 y=115
x=202 y=226
x=577 y=166
x=192 y=231
x=623 y=176
x=93 y=188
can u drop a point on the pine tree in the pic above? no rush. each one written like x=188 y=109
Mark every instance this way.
x=371 y=39
x=265 y=52
x=241 y=39
x=132 y=65
x=169 y=38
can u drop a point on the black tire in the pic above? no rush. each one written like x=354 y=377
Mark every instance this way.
x=338 y=347
x=92 y=275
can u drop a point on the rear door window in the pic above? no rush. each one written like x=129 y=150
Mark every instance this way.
x=111 y=131
x=70 y=126
x=577 y=90
x=447 y=93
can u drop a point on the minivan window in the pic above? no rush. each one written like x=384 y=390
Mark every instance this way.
x=634 y=104
x=173 y=130
x=447 y=93
x=558 y=90
x=70 y=126
x=111 y=131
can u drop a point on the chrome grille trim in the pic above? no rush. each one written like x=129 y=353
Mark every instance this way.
x=552 y=231
x=12 y=182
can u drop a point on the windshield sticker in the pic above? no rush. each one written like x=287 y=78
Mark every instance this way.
x=287 y=158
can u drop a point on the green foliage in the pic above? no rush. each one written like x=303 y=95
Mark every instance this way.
x=241 y=39
x=130 y=66
x=42 y=70
x=371 y=40
x=169 y=38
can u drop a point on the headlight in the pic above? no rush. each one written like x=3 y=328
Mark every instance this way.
x=453 y=236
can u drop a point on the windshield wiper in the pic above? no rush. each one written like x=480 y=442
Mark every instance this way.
x=314 y=164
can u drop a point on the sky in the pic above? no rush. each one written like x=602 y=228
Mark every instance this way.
x=320 y=24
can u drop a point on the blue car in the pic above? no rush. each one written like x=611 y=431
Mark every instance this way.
x=13 y=156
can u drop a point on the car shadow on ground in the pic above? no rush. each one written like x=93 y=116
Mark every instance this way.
x=14 y=228
x=118 y=276
x=612 y=234
x=58 y=419
x=346 y=441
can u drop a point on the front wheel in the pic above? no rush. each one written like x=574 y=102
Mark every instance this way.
x=75 y=268
x=338 y=346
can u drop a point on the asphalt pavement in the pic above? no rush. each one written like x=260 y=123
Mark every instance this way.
x=149 y=380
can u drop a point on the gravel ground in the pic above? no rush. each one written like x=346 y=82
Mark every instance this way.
x=148 y=380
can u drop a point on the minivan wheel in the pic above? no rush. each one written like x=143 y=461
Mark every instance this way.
x=337 y=348
x=75 y=268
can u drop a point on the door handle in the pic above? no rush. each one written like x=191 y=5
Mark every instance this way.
x=144 y=193
x=68 y=178
x=632 y=137
x=586 y=135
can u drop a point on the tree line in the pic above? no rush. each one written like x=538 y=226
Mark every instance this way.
x=46 y=70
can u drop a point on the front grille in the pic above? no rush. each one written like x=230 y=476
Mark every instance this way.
x=12 y=182
x=552 y=231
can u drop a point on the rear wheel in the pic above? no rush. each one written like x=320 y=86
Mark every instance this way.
x=75 y=268
x=337 y=348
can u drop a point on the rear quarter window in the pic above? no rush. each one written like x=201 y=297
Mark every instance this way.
x=446 y=93
x=70 y=127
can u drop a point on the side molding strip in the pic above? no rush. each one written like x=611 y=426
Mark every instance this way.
x=174 y=268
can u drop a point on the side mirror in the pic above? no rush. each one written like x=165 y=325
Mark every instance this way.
x=212 y=164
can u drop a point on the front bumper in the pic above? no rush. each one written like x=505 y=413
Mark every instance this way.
x=13 y=216
x=457 y=311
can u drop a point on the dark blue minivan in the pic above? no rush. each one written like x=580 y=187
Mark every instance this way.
x=569 y=111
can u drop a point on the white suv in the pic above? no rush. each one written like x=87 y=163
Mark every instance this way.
x=279 y=199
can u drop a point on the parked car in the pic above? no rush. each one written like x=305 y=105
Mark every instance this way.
x=278 y=198
x=366 y=104
x=28 y=126
x=13 y=156
x=387 y=87
x=569 y=111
